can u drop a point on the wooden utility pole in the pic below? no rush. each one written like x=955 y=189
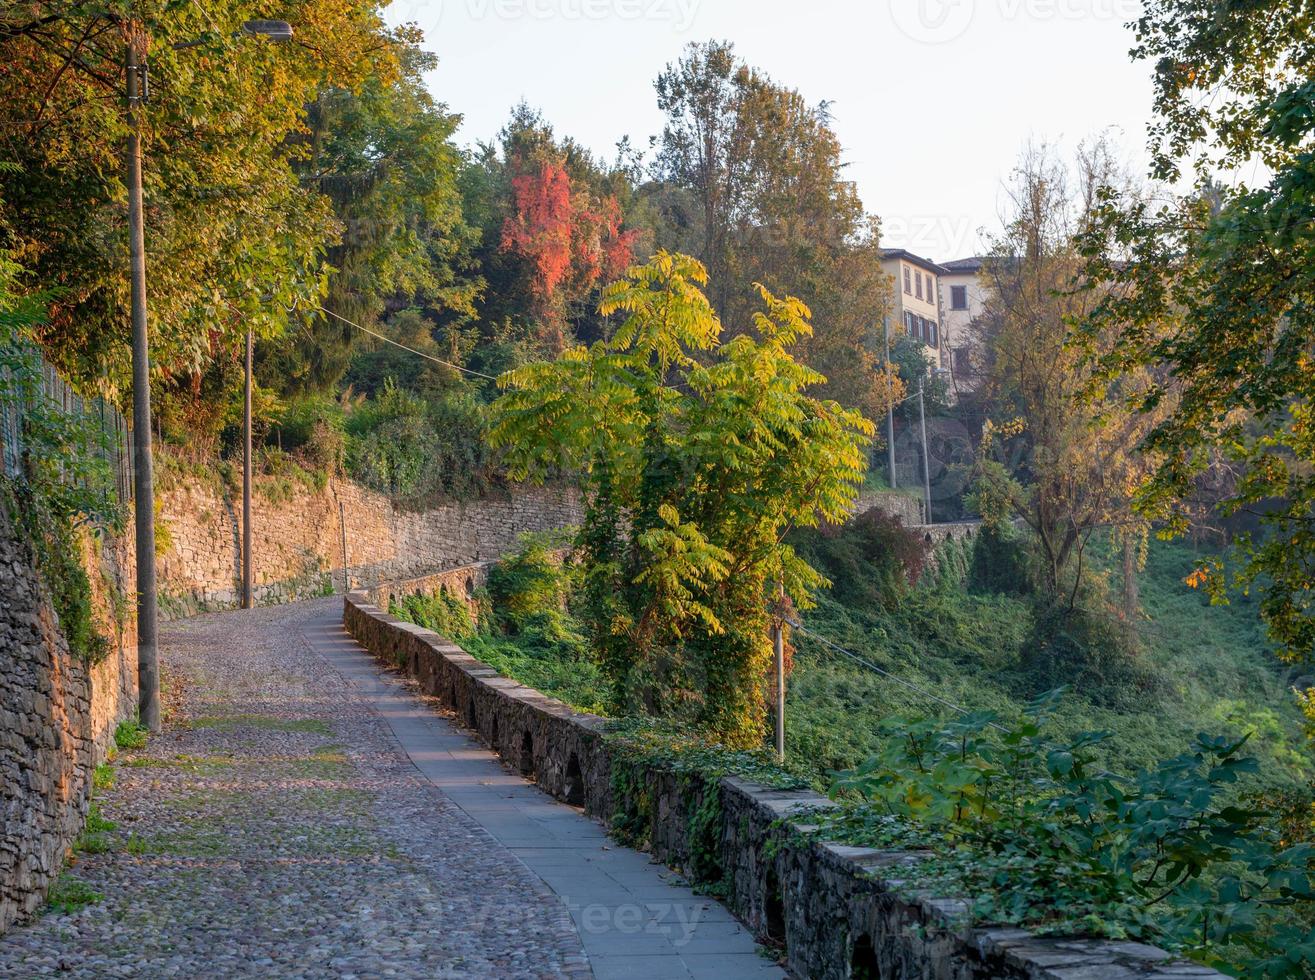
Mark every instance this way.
x=890 y=402
x=342 y=524
x=778 y=656
x=926 y=458
x=148 y=663
x=246 y=484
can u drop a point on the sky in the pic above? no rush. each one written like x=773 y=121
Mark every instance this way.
x=933 y=100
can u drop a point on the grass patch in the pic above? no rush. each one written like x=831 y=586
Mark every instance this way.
x=130 y=736
x=102 y=777
x=68 y=895
x=560 y=672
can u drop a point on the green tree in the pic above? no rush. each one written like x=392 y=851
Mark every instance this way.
x=1215 y=291
x=381 y=152
x=1057 y=454
x=752 y=173
x=235 y=238
x=696 y=457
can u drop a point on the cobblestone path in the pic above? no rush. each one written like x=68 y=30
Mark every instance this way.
x=277 y=828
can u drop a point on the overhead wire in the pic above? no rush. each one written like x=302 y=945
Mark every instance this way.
x=418 y=353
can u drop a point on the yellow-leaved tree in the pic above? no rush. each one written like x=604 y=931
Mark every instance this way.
x=696 y=457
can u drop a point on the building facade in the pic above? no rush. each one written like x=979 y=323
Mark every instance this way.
x=964 y=301
x=916 y=291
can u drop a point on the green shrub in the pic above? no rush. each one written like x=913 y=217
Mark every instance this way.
x=1038 y=833
x=872 y=560
x=443 y=613
x=529 y=589
x=999 y=563
x=416 y=449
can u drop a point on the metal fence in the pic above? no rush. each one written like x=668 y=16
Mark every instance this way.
x=107 y=430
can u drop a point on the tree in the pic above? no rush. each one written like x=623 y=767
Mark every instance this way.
x=696 y=457
x=1058 y=455
x=752 y=174
x=381 y=153
x=234 y=238
x=1215 y=290
x=555 y=225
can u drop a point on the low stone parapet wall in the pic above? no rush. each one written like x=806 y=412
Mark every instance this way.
x=835 y=911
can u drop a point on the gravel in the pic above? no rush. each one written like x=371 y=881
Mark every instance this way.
x=275 y=828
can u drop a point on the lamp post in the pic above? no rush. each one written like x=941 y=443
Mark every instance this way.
x=148 y=663
x=148 y=660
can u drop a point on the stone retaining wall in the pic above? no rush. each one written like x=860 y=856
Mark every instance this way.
x=57 y=717
x=834 y=910
x=906 y=506
x=298 y=542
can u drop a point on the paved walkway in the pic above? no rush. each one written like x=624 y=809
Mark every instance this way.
x=306 y=814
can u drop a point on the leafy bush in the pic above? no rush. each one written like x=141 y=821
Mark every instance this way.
x=391 y=443
x=999 y=563
x=530 y=587
x=871 y=560
x=530 y=633
x=314 y=427
x=443 y=613
x=413 y=449
x=1036 y=832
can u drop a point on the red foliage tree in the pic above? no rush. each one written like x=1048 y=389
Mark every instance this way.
x=571 y=240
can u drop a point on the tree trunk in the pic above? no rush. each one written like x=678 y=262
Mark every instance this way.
x=1131 y=599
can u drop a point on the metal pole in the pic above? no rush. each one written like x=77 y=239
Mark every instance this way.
x=342 y=523
x=148 y=666
x=926 y=465
x=890 y=402
x=246 y=485
x=778 y=655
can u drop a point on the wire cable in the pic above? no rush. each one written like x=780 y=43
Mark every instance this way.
x=418 y=353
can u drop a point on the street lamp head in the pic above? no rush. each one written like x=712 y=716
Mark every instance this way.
x=275 y=30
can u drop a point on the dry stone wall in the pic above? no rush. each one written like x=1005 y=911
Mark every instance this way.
x=57 y=718
x=298 y=543
x=896 y=503
x=833 y=911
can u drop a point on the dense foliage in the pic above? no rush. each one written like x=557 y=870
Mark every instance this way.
x=1214 y=289
x=1038 y=832
x=693 y=469
x=64 y=482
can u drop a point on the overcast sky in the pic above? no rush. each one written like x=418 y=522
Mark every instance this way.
x=933 y=99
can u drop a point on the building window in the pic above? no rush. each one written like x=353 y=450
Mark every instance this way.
x=908 y=322
x=958 y=297
x=931 y=333
x=917 y=285
x=931 y=293
x=908 y=287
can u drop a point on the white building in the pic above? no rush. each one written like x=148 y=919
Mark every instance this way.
x=964 y=299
